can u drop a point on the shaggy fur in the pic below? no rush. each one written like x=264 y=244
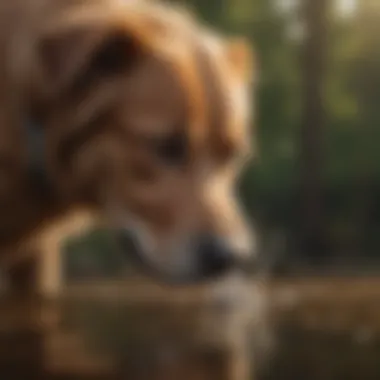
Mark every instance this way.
x=144 y=114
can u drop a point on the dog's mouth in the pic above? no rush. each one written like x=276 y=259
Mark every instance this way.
x=166 y=274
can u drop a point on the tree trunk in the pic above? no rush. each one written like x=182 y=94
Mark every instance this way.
x=312 y=231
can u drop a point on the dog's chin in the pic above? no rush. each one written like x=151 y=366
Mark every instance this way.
x=185 y=275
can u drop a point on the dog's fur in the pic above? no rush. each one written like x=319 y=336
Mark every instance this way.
x=144 y=115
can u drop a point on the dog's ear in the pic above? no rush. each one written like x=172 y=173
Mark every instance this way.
x=80 y=54
x=242 y=58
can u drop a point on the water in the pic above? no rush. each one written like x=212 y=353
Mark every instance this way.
x=310 y=331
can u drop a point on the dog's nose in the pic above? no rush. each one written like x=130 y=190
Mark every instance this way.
x=217 y=257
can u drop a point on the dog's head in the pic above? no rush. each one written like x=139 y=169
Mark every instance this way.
x=146 y=114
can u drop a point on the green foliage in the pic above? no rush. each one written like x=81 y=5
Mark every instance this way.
x=351 y=132
x=93 y=255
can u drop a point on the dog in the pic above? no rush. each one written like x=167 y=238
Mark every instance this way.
x=134 y=111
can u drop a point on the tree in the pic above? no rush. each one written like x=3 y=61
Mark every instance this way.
x=312 y=234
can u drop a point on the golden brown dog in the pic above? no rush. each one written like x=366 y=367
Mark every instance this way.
x=144 y=116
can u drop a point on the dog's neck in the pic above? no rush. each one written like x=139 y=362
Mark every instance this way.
x=29 y=193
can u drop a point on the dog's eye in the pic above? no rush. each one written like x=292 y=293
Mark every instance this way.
x=173 y=149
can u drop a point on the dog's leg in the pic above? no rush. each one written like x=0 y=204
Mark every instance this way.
x=49 y=243
x=238 y=366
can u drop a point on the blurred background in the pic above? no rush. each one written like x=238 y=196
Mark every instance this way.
x=315 y=184
x=313 y=194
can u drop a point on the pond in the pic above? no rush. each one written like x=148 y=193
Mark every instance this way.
x=306 y=330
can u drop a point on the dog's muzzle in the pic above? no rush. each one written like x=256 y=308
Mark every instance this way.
x=212 y=260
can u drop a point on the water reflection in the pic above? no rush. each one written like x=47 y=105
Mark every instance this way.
x=198 y=338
